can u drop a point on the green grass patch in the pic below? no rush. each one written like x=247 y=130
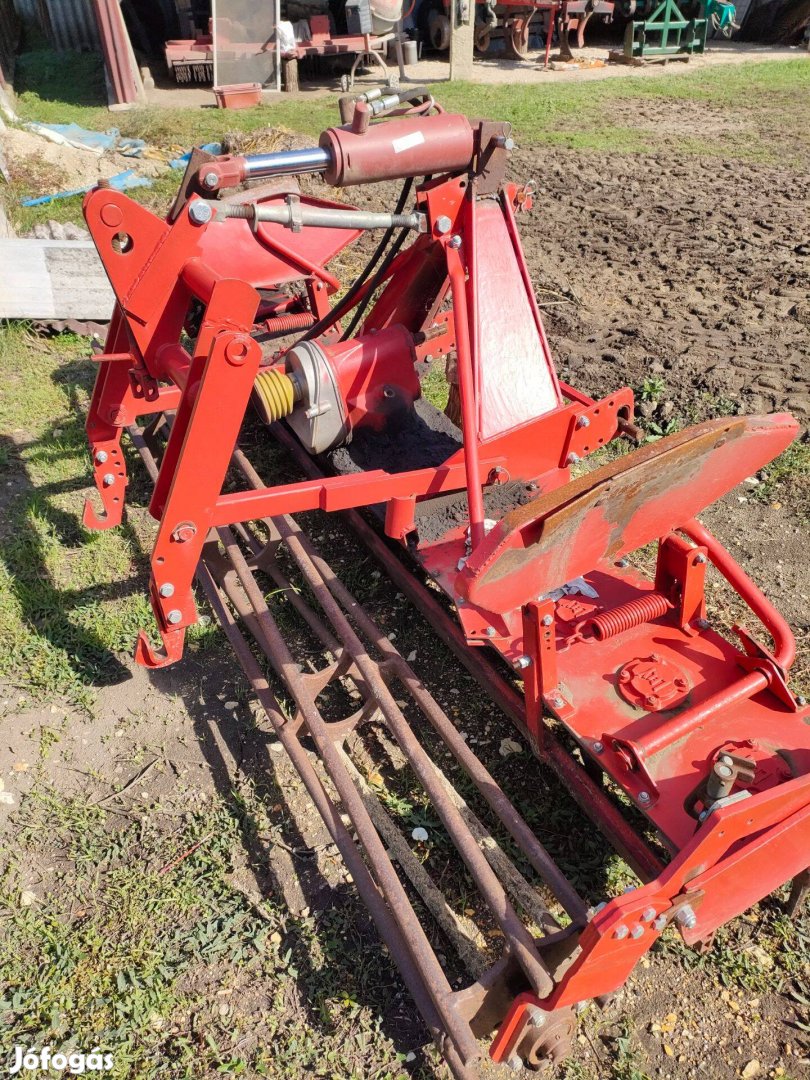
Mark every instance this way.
x=69 y=87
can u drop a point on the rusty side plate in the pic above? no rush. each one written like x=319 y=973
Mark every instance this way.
x=617 y=509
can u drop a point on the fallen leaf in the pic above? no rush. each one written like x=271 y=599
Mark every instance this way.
x=27 y=898
x=668 y=1050
x=20 y=766
x=420 y=835
x=509 y=746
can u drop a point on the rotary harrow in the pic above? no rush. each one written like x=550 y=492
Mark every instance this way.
x=621 y=682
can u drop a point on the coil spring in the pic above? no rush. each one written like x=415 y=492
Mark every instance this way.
x=273 y=394
x=608 y=624
x=284 y=324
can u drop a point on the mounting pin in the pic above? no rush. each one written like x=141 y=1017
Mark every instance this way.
x=547 y=620
x=700 y=557
x=490 y=631
x=166 y=590
x=211 y=180
x=101 y=457
x=108 y=479
x=583 y=421
x=455 y=241
x=174 y=617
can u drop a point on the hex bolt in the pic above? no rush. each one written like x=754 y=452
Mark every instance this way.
x=644 y=796
x=515 y=1063
x=535 y=1015
x=174 y=617
x=547 y=620
x=700 y=557
x=455 y=241
x=200 y=211
x=622 y=563
x=637 y=932
x=583 y=421
x=211 y=180
x=648 y=914
x=460 y=601
x=660 y=923
x=166 y=590
x=801 y=700
x=523 y=662
x=598 y=747
x=101 y=457
x=108 y=479
x=572 y=459
x=686 y=917
x=621 y=932
x=443 y=224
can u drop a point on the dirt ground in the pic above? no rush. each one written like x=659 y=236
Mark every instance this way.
x=682 y=276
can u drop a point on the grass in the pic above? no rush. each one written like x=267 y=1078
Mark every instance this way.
x=174 y=972
x=71 y=601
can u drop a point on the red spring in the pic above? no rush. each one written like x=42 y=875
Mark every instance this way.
x=608 y=624
x=286 y=324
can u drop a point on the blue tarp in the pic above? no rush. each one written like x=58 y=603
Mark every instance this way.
x=121 y=182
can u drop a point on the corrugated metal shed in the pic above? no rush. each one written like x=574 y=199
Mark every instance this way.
x=68 y=24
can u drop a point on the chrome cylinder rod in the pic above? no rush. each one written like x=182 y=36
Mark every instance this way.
x=286 y=162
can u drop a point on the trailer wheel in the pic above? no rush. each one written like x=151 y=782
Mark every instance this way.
x=439 y=31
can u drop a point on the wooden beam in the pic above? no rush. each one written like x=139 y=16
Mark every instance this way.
x=53 y=279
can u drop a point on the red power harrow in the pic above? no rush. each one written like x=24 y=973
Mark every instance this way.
x=227 y=301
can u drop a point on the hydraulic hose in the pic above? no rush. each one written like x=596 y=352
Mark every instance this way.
x=345 y=303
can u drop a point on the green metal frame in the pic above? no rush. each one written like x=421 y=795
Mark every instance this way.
x=667 y=32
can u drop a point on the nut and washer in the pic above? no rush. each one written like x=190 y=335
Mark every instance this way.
x=186 y=530
x=455 y=241
x=686 y=917
x=101 y=457
x=598 y=747
x=174 y=617
x=523 y=662
x=644 y=796
x=200 y=212
x=211 y=180
x=166 y=590
x=108 y=479
x=547 y=620
x=583 y=421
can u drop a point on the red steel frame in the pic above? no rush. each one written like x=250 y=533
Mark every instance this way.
x=651 y=693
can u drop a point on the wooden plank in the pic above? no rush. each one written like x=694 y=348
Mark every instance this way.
x=53 y=279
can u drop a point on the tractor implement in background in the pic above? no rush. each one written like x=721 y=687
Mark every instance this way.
x=527 y=573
